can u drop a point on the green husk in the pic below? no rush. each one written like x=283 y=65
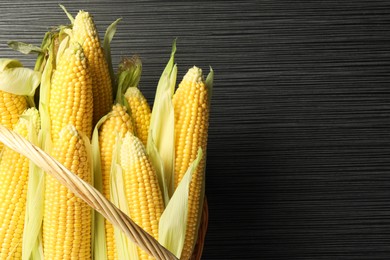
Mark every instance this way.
x=63 y=45
x=32 y=242
x=99 y=236
x=108 y=36
x=172 y=226
x=41 y=59
x=70 y=17
x=32 y=245
x=125 y=248
x=210 y=83
x=44 y=95
x=24 y=48
x=16 y=79
x=161 y=146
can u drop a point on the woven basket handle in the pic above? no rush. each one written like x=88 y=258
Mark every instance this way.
x=86 y=192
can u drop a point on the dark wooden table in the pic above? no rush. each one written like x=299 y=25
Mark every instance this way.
x=299 y=145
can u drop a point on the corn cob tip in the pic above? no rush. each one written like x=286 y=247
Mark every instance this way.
x=68 y=129
x=32 y=115
x=131 y=141
x=84 y=26
x=194 y=74
x=133 y=92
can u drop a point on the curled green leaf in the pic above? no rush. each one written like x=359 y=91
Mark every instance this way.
x=70 y=17
x=18 y=80
x=109 y=35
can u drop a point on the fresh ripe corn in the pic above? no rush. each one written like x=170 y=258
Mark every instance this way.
x=84 y=31
x=11 y=107
x=14 y=169
x=67 y=218
x=191 y=108
x=141 y=187
x=118 y=123
x=71 y=93
x=140 y=112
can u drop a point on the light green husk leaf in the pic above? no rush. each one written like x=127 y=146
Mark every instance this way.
x=32 y=242
x=44 y=63
x=16 y=79
x=125 y=248
x=99 y=236
x=108 y=36
x=70 y=17
x=157 y=162
x=161 y=146
x=9 y=64
x=44 y=95
x=41 y=59
x=172 y=226
x=62 y=48
x=210 y=83
x=24 y=48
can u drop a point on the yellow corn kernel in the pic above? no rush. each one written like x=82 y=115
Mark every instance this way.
x=67 y=218
x=141 y=187
x=140 y=112
x=11 y=107
x=84 y=32
x=191 y=106
x=14 y=169
x=71 y=93
x=118 y=123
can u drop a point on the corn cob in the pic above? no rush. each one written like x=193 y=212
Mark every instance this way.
x=141 y=187
x=71 y=93
x=118 y=123
x=67 y=219
x=14 y=170
x=84 y=31
x=191 y=108
x=140 y=112
x=11 y=107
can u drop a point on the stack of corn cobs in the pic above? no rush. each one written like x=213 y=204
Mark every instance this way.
x=97 y=123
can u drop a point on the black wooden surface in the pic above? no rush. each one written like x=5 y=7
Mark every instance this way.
x=299 y=145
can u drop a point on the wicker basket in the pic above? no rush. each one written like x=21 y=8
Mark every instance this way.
x=96 y=200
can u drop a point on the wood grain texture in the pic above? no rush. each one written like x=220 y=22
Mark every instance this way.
x=299 y=145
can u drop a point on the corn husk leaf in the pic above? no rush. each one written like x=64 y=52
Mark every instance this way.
x=44 y=95
x=125 y=248
x=108 y=36
x=24 y=48
x=99 y=236
x=158 y=163
x=32 y=242
x=161 y=138
x=70 y=17
x=16 y=79
x=63 y=45
x=41 y=59
x=210 y=83
x=172 y=226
